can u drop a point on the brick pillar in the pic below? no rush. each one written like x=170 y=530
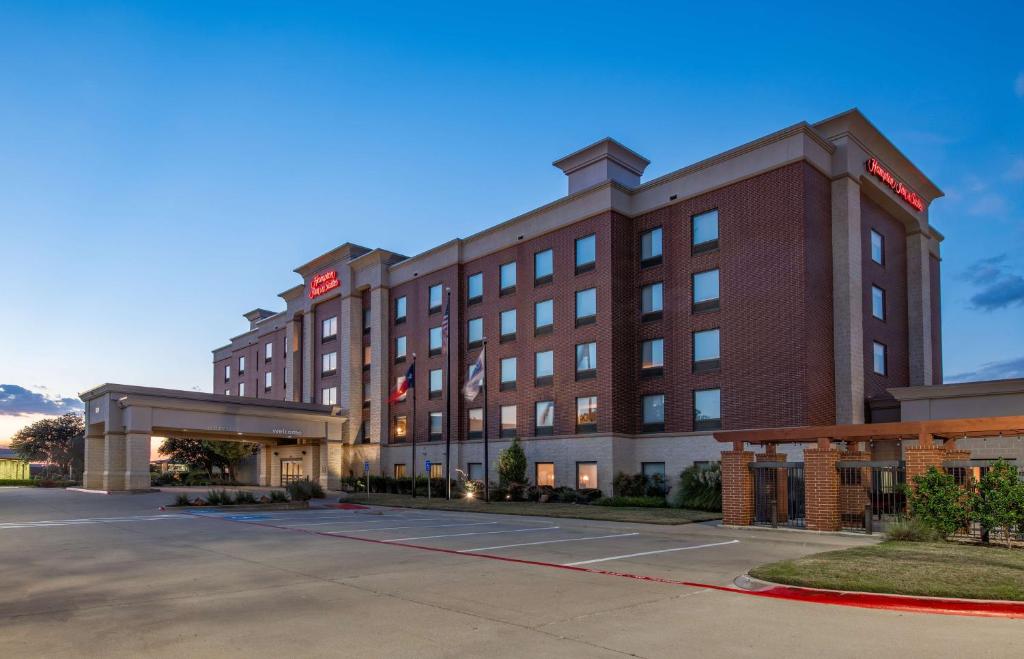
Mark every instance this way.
x=737 y=488
x=921 y=458
x=822 y=488
x=95 y=459
x=114 y=461
x=136 y=473
x=263 y=465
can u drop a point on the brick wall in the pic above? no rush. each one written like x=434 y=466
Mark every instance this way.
x=822 y=488
x=737 y=488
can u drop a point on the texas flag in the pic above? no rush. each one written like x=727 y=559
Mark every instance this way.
x=404 y=384
x=475 y=380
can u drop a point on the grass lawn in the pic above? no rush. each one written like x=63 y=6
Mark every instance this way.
x=577 y=511
x=937 y=569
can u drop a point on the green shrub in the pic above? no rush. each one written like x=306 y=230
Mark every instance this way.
x=937 y=501
x=629 y=485
x=17 y=481
x=588 y=495
x=304 y=490
x=277 y=496
x=243 y=496
x=565 y=495
x=998 y=500
x=165 y=479
x=219 y=498
x=912 y=530
x=512 y=464
x=196 y=477
x=632 y=502
x=700 y=488
x=182 y=500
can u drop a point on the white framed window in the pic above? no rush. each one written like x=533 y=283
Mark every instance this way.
x=241 y=388
x=241 y=365
x=268 y=351
x=328 y=363
x=227 y=372
x=329 y=396
x=507 y=276
x=329 y=328
x=268 y=380
x=878 y=303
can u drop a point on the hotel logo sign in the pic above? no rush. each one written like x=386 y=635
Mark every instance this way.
x=323 y=282
x=885 y=176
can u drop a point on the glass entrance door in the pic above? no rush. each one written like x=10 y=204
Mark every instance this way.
x=291 y=471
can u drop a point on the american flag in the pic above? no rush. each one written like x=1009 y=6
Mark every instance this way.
x=444 y=329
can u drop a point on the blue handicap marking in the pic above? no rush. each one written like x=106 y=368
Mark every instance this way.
x=366 y=466
x=426 y=465
x=246 y=518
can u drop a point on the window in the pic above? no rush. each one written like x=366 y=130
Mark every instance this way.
x=543 y=317
x=475 y=332
x=653 y=470
x=367 y=319
x=877 y=247
x=329 y=363
x=476 y=423
x=508 y=420
x=586 y=414
x=586 y=306
x=367 y=357
x=227 y=372
x=508 y=325
x=652 y=356
x=268 y=380
x=586 y=253
x=705 y=232
x=705 y=291
x=435 y=382
x=586 y=360
x=878 y=303
x=364 y=431
x=227 y=392
x=241 y=388
x=707 y=409
x=436 y=426
x=651 y=301
x=400 y=429
x=544 y=368
x=434 y=298
x=400 y=310
x=435 y=341
x=399 y=470
x=508 y=373
x=398 y=383
x=436 y=470
x=654 y=412
x=329 y=328
x=507 y=277
x=545 y=419
x=650 y=247
x=880 y=361
x=475 y=471
x=268 y=352
x=586 y=475
x=329 y=396
x=706 y=353
x=475 y=288
x=399 y=349
x=543 y=267
x=545 y=474
x=241 y=365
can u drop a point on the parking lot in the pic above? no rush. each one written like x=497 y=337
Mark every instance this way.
x=115 y=576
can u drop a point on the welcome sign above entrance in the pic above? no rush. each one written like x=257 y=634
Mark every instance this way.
x=323 y=282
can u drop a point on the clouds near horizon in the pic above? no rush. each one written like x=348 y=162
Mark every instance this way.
x=16 y=400
x=1001 y=370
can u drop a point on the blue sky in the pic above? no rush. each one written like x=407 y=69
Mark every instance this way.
x=185 y=157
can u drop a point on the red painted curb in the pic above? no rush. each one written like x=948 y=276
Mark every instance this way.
x=905 y=603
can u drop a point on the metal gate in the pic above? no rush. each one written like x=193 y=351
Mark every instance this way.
x=779 y=494
x=871 y=494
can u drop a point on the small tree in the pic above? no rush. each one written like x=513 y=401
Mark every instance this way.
x=54 y=441
x=512 y=464
x=998 y=501
x=939 y=502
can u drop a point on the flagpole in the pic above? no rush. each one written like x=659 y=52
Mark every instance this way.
x=487 y=461
x=448 y=400
x=413 y=430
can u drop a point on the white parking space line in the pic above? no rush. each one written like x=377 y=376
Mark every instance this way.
x=395 y=528
x=366 y=521
x=550 y=542
x=457 y=535
x=649 y=553
x=88 y=520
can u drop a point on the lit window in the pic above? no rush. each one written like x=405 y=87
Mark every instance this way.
x=434 y=296
x=705 y=231
x=706 y=346
x=586 y=475
x=652 y=300
x=586 y=360
x=705 y=290
x=399 y=470
x=268 y=380
x=399 y=348
x=241 y=388
x=544 y=366
x=329 y=396
x=877 y=247
x=367 y=356
x=435 y=381
x=507 y=276
x=543 y=266
x=401 y=428
x=654 y=412
x=475 y=287
x=400 y=309
x=586 y=252
x=241 y=365
x=435 y=340
x=329 y=363
x=508 y=420
x=436 y=470
x=436 y=426
x=476 y=423
x=586 y=306
x=878 y=303
x=586 y=413
x=227 y=392
x=508 y=324
x=508 y=373
x=268 y=352
x=227 y=372
x=329 y=328
x=545 y=474
x=543 y=315
x=475 y=471
x=475 y=331
x=879 y=358
x=707 y=409
x=545 y=419
x=650 y=247
x=653 y=354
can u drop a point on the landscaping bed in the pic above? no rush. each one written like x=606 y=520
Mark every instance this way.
x=576 y=511
x=933 y=569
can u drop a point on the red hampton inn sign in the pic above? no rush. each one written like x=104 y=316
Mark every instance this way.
x=885 y=176
x=323 y=282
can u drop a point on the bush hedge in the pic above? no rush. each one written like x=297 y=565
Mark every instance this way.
x=700 y=488
x=633 y=502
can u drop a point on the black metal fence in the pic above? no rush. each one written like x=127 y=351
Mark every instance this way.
x=871 y=494
x=779 y=494
x=967 y=474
